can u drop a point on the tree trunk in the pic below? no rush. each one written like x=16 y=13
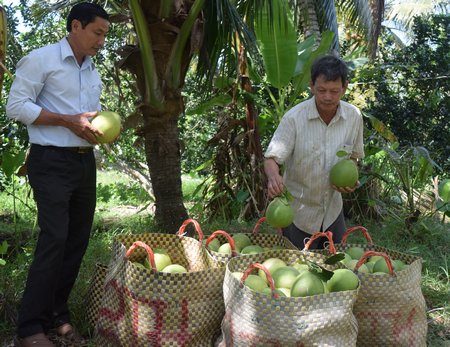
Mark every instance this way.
x=162 y=150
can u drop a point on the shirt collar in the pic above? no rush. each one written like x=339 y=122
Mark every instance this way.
x=314 y=113
x=66 y=51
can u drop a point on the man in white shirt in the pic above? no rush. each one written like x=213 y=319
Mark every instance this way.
x=55 y=93
x=305 y=143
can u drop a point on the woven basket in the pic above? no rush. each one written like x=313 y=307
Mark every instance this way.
x=257 y=238
x=390 y=309
x=256 y=319
x=142 y=307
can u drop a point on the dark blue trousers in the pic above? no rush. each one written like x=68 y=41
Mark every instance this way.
x=64 y=188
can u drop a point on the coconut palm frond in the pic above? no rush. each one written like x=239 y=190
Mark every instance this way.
x=326 y=11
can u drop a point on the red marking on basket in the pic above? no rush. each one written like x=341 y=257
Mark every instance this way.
x=400 y=326
x=157 y=336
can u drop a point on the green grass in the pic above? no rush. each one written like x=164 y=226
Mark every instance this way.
x=132 y=214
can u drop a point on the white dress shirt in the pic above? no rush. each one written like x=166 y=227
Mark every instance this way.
x=50 y=78
x=307 y=147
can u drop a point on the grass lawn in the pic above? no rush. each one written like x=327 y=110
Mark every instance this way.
x=124 y=208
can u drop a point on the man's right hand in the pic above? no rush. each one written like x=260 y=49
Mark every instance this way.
x=275 y=184
x=82 y=127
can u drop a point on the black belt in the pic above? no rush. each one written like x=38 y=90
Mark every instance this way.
x=79 y=150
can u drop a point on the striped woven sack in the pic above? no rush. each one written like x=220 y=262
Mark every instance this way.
x=256 y=319
x=264 y=240
x=390 y=308
x=144 y=307
x=95 y=293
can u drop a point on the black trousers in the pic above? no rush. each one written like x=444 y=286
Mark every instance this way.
x=64 y=187
x=298 y=237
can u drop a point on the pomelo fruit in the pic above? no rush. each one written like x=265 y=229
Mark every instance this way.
x=138 y=264
x=342 y=279
x=369 y=266
x=255 y=282
x=271 y=264
x=381 y=266
x=300 y=267
x=307 y=284
x=214 y=245
x=375 y=258
x=346 y=259
x=344 y=173
x=444 y=190
x=109 y=123
x=352 y=263
x=252 y=249
x=161 y=261
x=399 y=265
x=286 y=291
x=241 y=240
x=355 y=252
x=284 y=277
x=174 y=268
x=226 y=249
x=279 y=213
x=268 y=291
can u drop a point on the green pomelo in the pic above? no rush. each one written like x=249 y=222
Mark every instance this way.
x=226 y=249
x=375 y=258
x=279 y=213
x=255 y=282
x=355 y=252
x=381 y=266
x=351 y=264
x=444 y=190
x=109 y=123
x=342 y=279
x=161 y=261
x=271 y=264
x=370 y=265
x=214 y=245
x=307 y=284
x=284 y=277
x=174 y=268
x=252 y=249
x=286 y=291
x=241 y=240
x=346 y=259
x=268 y=291
x=344 y=173
x=300 y=267
x=399 y=265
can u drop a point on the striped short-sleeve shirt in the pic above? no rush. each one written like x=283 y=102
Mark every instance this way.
x=306 y=147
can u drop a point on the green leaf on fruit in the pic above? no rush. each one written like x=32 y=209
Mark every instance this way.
x=335 y=258
x=341 y=153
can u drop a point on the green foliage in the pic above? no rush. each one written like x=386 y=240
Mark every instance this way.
x=410 y=86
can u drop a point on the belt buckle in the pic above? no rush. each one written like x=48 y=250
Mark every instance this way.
x=83 y=150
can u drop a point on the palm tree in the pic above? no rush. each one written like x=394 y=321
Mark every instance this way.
x=172 y=35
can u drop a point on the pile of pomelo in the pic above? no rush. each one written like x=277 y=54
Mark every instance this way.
x=163 y=262
x=299 y=279
x=242 y=243
x=375 y=264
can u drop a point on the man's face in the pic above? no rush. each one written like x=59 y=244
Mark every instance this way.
x=327 y=93
x=91 y=38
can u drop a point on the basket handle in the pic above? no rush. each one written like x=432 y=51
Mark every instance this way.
x=368 y=254
x=268 y=276
x=227 y=236
x=196 y=226
x=353 y=230
x=258 y=226
x=327 y=234
x=148 y=249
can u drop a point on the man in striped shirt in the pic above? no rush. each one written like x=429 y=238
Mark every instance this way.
x=305 y=144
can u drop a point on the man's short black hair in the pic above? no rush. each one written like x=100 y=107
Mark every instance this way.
x=85 y=12
x=331 y=67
